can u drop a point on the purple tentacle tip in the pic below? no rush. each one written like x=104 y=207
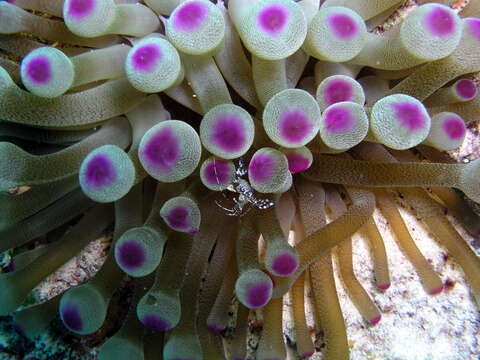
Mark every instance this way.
x=162 y=149
x=217 y=172
x=39 y=70
x=131 y=255
x=294 y=125
x=306 y=355
x=409 y=115
x=261 y=167
x=100 y=171
x=228 y=133
x=383 y=287
x=145 y=57
x=71 y=317
x=190 y=16
x=343 y=26
x=79 y=9
x=258 y=295
x=284 y=264
x=338 y=90
x=440 y=22
x=338 y=120
x=273 y=19
x=375 y=320
x=156 y=323
x=297 y=163
x=215 y=328
x=474 y=27
x=177 y=218
x=466 y=89
x=454 y=127
x=436 y=291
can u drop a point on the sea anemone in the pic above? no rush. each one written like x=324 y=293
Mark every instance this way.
x=236 y=147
